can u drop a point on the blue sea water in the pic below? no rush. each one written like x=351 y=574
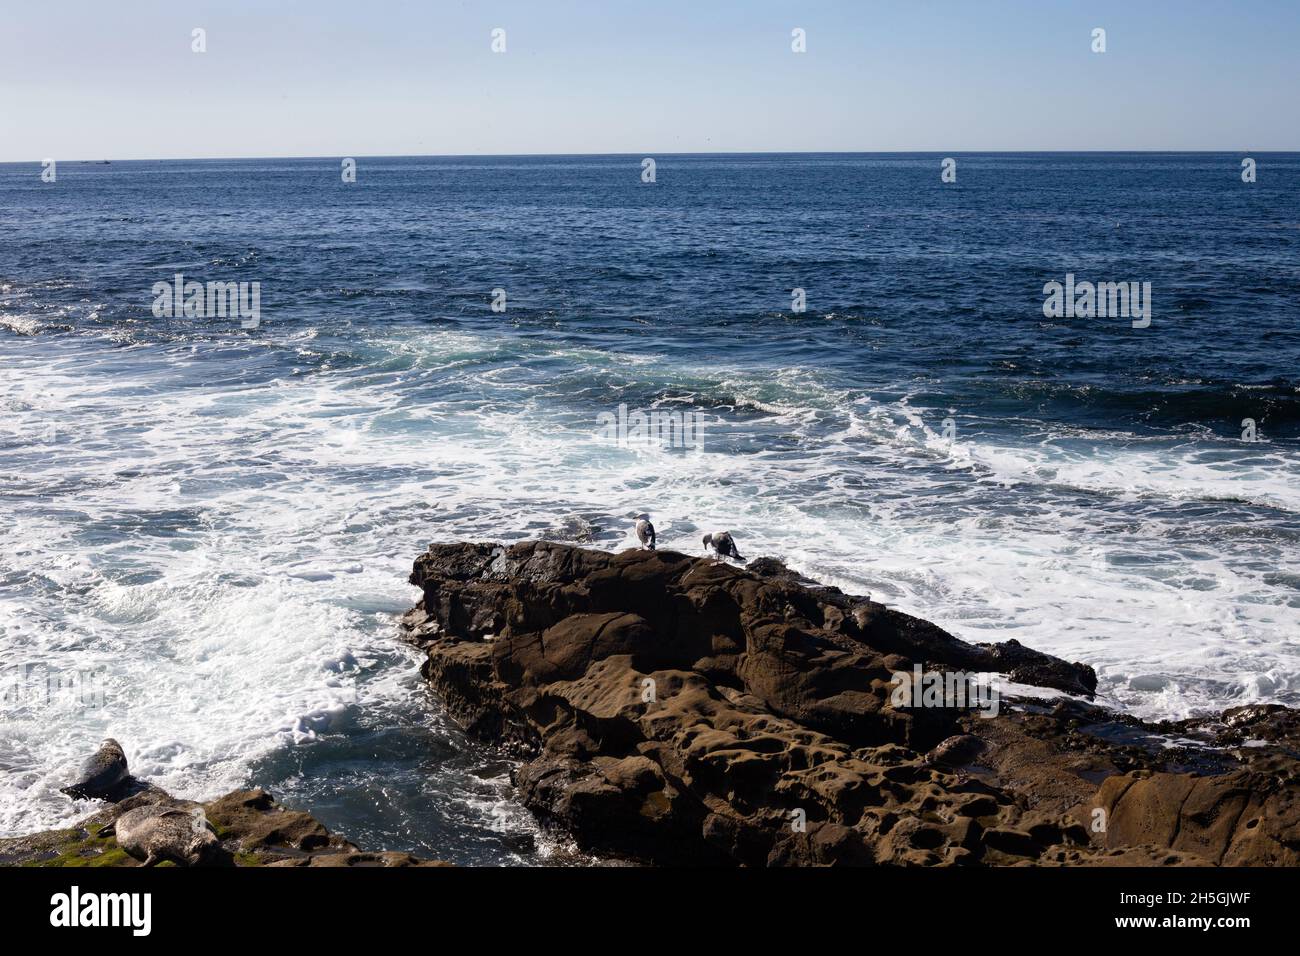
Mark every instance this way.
x=214 y=524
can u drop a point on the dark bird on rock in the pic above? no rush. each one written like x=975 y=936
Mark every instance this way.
x=645 y=532
x=723 y=544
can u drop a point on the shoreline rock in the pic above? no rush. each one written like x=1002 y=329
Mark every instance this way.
x=251 y=828
x=677 y=710
x=242 y=828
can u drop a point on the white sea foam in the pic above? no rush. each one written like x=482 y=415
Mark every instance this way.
x=226 y=557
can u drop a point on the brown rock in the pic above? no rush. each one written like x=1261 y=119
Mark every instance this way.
x=679 y=710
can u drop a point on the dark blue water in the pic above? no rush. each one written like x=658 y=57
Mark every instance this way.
x=220 y=520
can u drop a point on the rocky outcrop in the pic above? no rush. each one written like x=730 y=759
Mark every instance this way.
x=251 y=829
x=141 y=824
x=684 y=711
x=243 y=828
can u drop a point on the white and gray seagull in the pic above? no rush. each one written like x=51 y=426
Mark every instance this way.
x=645 y=532
x=722 y=543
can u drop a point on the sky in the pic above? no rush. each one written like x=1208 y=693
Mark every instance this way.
x=89 y=79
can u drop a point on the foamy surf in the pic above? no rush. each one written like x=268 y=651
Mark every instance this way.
x=230 y=559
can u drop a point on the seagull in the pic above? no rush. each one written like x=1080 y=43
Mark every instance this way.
x=722 y=544
x=645 y=532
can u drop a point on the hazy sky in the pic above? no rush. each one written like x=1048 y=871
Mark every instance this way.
x=92 y=79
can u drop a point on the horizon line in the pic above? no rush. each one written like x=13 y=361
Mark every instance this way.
x=653 y=153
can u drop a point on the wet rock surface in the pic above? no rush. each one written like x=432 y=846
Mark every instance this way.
x=143 y=825
x=679 y=710
x=248 y=826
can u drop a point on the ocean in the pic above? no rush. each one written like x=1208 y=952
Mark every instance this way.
x=207 y=528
